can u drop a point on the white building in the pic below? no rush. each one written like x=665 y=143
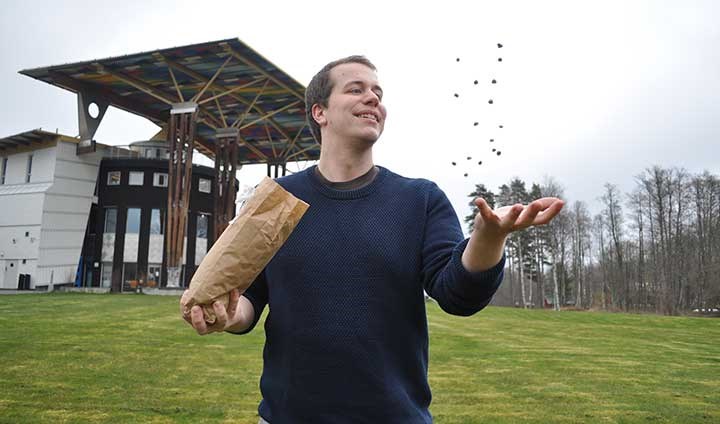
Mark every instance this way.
x=46 y=192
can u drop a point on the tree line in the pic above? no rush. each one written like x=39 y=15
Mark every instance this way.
x=655 y=249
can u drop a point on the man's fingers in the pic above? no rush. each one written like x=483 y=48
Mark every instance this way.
x=486 y=213
x=233 y=302
x=220 y=317
x=508 y=221
x=197 y=319
x=545 y=216
x=527 y=217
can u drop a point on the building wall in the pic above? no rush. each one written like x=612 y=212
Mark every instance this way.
x=142 y=251
x=65 y=214
x=21 y=206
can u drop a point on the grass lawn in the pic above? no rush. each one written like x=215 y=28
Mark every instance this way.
x=130 y=358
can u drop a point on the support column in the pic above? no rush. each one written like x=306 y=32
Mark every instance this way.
x=181 y=135
x=226 y=157
x=87 y=123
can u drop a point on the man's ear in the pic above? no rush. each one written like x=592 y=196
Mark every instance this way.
x=318 y=114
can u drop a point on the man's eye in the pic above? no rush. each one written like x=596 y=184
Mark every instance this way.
x=355 y=90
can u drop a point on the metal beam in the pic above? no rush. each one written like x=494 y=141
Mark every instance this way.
x=210 y=82
x=154 y=91
x=177 y=87
x=299 y=152
x=269 y=114
x=232 y=90
x=198 y=76
x=285 y=152
x=137 y=83
x=241 y=117
x=253 y=148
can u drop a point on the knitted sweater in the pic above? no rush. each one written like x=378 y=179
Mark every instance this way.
x=346 y=335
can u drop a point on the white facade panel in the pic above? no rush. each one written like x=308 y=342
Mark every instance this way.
x=17 y=168
x=55 y=274
x=65 y=204
x=130 y=251
x=43 y=165
x=108 y=247
x=53 y=221
x=59 y=238
x=15 y=244
x=155 y=248
x=59 y=257
x=21 y=209
x=73 y=188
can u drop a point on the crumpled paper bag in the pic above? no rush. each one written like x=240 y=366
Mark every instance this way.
x=247 y=245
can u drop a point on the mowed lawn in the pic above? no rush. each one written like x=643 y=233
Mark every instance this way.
x=130 y=358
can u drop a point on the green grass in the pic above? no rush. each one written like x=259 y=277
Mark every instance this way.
x=130 y=358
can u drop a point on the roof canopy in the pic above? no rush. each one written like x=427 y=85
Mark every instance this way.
x=233 y=85
x=31 y=139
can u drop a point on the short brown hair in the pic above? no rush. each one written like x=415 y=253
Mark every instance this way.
x=318 y=91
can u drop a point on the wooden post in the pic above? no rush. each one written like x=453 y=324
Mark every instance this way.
x=181 y=135
x=226 y=157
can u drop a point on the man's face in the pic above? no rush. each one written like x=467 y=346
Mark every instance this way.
x=355 y=110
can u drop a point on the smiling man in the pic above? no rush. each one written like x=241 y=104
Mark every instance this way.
x=346 y=336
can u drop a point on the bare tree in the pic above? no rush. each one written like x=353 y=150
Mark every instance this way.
x=580 y=243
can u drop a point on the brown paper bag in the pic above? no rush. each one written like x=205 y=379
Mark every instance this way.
x=246 y=246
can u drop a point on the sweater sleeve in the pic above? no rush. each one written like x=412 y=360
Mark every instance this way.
x=257 y=294
x=457 y=291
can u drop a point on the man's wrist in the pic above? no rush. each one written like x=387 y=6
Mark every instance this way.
x=483 y=251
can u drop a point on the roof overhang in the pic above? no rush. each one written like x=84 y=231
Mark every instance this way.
x=233 y=86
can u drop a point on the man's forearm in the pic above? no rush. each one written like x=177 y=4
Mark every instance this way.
x=483 y=251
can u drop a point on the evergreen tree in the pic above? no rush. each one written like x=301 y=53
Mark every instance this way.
x=480 y=191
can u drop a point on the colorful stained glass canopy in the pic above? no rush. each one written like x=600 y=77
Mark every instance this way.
x=233 y=86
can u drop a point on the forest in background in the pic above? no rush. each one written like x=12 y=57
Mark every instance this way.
x=654 y=249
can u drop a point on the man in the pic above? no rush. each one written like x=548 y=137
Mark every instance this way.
x=346 y=336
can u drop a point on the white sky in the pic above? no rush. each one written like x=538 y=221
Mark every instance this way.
x=588 y=92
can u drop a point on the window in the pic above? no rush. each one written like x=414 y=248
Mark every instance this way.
x=149 y=153
x=130 y=280
x=160 y=179
x=29 y=168
x=204 y=185
x=133 y=221
x=27 y=233
x=153 y=275
x=110 y=220
x=136 y=178
x=202 y=226
x=113 y=178
x=4 y=170
x=106 y=274
x=201 y=242
x=156 y=223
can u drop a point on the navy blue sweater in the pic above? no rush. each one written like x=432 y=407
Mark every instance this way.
x=346 y=335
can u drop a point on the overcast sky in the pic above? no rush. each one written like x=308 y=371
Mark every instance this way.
x=587 y=92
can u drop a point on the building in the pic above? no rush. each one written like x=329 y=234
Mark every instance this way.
x=46 y=193
x=92 y=220
x=125 y=242
x=90 y=216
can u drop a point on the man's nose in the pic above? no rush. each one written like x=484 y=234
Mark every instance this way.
x=372 y=98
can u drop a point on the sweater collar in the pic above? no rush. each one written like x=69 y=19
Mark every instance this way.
x=334 y=193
